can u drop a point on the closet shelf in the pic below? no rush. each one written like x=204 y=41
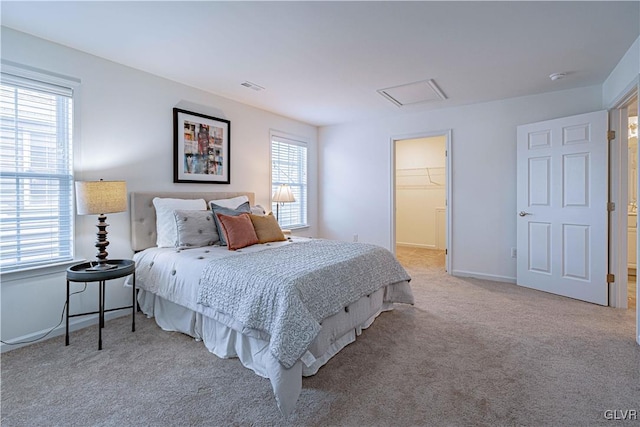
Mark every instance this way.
x=423 y=171
x=428 y=177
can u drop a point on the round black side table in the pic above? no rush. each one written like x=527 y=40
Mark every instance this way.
x=82 y=273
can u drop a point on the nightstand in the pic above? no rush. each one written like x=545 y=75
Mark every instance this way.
x=81 y=273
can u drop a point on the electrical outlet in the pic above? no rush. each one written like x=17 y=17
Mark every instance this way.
x=355 y=237
x=514 y=253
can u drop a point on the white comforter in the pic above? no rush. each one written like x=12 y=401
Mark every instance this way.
x=178 y=282
x=288 y=291
x=179 y=278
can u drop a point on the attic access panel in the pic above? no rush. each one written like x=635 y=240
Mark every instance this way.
x=413 y=93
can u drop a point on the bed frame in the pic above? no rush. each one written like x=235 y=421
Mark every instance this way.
x=143 y=214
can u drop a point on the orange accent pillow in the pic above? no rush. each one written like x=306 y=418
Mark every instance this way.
x=238 y=231
x=267 y=228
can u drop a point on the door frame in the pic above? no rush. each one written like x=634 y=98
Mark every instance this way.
x=447 y=134
x=619 y=192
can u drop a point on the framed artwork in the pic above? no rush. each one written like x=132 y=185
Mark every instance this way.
x=202 y=148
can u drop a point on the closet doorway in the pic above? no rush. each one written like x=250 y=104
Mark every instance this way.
x=421 y=232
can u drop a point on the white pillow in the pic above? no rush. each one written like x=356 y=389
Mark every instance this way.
x=166 y=222
x=231 y=203
x=258 y=210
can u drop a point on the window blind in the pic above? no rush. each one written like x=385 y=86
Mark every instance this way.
x=36 y=173
x=289 y=166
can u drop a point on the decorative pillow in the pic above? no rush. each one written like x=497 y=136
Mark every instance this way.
x=267 y=228
x=195 y=228
x=258 y=210
x=238 y=230
x=243 y=208
x=231 y=203
x=165 y=221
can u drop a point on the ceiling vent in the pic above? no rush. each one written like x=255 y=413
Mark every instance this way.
x=253 y=86
x=413 y=93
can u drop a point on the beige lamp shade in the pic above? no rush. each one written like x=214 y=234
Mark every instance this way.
x=101 y=197
x=283 y=194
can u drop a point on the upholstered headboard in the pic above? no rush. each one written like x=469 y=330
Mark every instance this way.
x=143 y=214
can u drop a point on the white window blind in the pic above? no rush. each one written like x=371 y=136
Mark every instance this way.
x=36 y=173
x=289 y=166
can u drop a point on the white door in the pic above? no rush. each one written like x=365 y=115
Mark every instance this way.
x=562 y=206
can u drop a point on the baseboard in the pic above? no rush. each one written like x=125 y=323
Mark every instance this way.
x=415 y=245
x=74 y=325
x=493 y=277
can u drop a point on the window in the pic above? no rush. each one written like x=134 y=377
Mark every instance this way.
x=289 y=166
x=36 y=173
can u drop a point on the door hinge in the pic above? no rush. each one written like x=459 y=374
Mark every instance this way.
x=611 y=206
x=611 y=278
x=611 y=135
x=446 y=251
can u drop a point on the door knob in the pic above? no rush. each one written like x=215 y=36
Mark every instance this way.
x=523 y=213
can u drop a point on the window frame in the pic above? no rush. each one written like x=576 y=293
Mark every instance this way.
x=35 y=79
x=287 y=138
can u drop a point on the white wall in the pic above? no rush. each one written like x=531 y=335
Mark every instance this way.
x=623 y=77
x=355 y=193
x=418 y=193
x=124 y=131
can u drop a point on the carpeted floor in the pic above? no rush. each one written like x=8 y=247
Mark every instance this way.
x=470 y=352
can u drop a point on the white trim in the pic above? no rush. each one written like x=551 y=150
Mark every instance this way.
x=37 y=74
x=74 y=325
x=42 y=270
x=24 y=76
x=618 y=184
x=447 y=133
x=415 y=245
x=293 y=139
x=626 y=95
x=618 y=235
x=288 y=137
x=482 y=276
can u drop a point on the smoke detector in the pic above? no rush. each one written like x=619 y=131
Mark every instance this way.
x=557 y=76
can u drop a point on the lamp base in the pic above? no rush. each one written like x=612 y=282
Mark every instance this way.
x=102 y=267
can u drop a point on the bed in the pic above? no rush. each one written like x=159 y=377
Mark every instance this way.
x=177 y=287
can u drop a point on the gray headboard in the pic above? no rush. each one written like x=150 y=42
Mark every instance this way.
x=143 y=214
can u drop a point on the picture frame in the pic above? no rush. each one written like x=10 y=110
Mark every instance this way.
x=202 y=148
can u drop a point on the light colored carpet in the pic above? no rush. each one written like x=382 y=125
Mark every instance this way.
x=470 y=352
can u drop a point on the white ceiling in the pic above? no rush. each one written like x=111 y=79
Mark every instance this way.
x=323 y=62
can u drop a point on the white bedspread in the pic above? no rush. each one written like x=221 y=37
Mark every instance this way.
x=288 y=291
x=175 y=279
x=178 y=279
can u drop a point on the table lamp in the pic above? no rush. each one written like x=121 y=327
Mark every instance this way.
x=100 y=198
x=282 y=195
